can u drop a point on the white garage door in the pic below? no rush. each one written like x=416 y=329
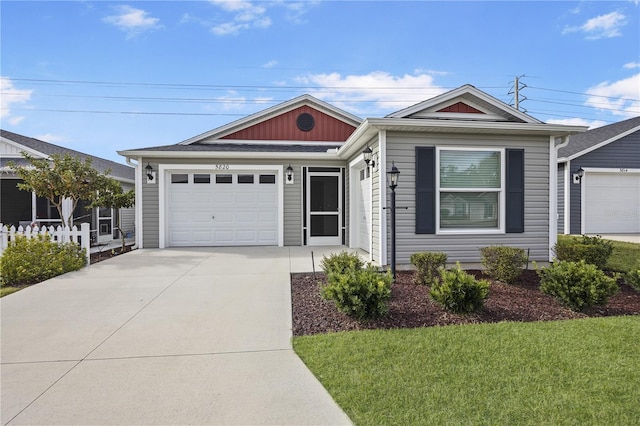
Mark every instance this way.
x=222 y=209
x=612 y=203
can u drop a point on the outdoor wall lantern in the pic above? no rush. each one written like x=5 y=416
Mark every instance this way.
x=369 y=157
x=150 y=173
x=577 y=177
x=392 y=180
x=289 y=173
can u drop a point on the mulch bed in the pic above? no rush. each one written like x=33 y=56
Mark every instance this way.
x=411 y=306
x=108 y=254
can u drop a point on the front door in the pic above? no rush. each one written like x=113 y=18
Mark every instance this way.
x=324 y=216
x=105 y=225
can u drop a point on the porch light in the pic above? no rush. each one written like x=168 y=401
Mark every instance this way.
x=149 y=171
x=368 y=154
x=581 y=172
x=289 y=173
x=577 y=177
x=392 y=177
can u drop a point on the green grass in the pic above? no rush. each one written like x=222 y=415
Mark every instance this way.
x=8 y=290
x=624 y=257
x=546 y=373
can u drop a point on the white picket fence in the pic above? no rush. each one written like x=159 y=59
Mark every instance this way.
x=56 y=234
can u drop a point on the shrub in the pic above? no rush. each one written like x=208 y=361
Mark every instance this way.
x=459 y=292
x=633 y=277
x=30 y=261
x=593 y=250
x=503 y=263
x=428 y=266
x=359 y=292
x=578 y=285
x=341 y=262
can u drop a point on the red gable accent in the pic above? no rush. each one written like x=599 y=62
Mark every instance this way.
x=284 y=128
x=461 y=107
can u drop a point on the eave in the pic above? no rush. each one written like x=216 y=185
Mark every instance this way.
x=331 y=155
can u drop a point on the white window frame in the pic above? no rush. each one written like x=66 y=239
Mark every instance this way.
x=501 y=194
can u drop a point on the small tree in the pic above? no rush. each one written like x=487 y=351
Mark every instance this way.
x=111 y=195
x=63 y=176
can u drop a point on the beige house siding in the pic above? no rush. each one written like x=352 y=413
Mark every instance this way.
x=465 y=248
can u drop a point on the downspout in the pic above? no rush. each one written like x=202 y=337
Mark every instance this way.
x=382 y=212
x=553 y=190
x=138 y=201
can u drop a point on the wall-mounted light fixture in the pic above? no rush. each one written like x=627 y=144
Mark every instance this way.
x=150 y=173
x=289 y=174
x=577 y=177
x=369 y=157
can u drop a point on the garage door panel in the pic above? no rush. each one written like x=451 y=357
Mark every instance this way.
x=222 y=213
x=612 y=203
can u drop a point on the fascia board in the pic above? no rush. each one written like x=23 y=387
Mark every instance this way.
x=24 y=148
x=603 y=143
x=231 y=154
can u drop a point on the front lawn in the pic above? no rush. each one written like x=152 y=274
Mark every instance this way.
x=581 y=371
x=624 y=257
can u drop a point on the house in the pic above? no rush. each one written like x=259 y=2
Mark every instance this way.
x=599 y=181
x=19 y=207
x=473 y=172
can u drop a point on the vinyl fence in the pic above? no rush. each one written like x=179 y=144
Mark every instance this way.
x=57 y=234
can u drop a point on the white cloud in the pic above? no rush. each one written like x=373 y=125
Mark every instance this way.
x=578 y=122
x=11 y=96
x=377 y=91
x=132 y=21
x=620 y=97
x=246 y=15
x=51 y=138
x=632 y=65
x=603 y=26
x=270 y=64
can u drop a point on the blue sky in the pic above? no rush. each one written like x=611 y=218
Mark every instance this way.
x=102 y=76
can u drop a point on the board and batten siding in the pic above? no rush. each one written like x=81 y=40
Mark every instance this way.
x=292 y=196
x=623 y=153
x=465 y=248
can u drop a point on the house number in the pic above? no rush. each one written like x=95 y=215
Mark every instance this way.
x=222 y=167
x=624 y=170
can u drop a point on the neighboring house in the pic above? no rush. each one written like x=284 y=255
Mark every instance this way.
x=473 y=172
x=606 y=199
x=19 y=207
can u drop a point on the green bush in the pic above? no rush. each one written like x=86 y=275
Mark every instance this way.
x=428 y=266
x=341 y=262
x=633 y=277
x=503 y=263
x=578 y=285
x=459 y=292
x=593 y=250
x=359 y=292
x=30 y=261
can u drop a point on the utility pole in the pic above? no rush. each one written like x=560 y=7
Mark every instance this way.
x=517 y=86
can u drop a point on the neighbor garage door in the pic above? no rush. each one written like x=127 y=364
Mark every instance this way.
x=222 y=209
x=612 y=203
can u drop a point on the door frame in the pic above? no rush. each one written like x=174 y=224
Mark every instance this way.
x=332 y=240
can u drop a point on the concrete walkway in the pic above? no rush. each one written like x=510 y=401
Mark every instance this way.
x=175 y=336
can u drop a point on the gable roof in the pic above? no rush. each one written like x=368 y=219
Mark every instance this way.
x=464 y=103
x=593 y=139
x=45 y=149
x=273 y=112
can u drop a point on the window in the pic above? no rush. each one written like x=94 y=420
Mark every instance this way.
x=267 y=178
x=201 y=178
x=469 y=187
x=179 y=178
x=245 y=178
x=224 y=178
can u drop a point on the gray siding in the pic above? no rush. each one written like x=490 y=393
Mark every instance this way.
x=128 y=216
x=292 y=194
x=465 y=248
x=560 y=212
x=623 y=153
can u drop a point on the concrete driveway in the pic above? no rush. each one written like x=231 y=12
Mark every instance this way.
x=175 y=336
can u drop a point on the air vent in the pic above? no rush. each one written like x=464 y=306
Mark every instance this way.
x=305 y=122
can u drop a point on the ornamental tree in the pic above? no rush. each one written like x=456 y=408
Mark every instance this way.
x=111 y=195
x=60 y=177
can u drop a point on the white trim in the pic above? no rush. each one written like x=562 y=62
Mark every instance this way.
x=24 y=148
x=622 y=170
x=382 y=185
x=329 y=240
x=164 y=169
x=355 y=166
x=263 y=142
x=601 y=144
x=567 y=198
x=309 y=156
x=501 y=193
x=138 y=196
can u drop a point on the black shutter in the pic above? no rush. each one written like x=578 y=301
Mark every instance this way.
x=425 y=190
x=515 y=191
